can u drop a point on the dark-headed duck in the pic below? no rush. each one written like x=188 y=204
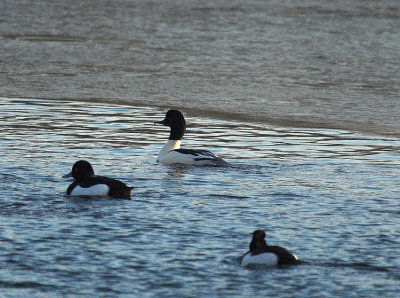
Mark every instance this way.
x=262 y=254
x=87 y=184
x=171 y=152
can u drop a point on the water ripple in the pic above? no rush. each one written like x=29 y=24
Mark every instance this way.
x=330 y=196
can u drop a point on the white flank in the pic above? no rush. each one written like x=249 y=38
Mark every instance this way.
x=175 y=157
x=95 y=190
x=268 y=259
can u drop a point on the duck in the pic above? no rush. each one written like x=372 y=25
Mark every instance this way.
x=172 y=153
x=88 y=184
x=262 y=254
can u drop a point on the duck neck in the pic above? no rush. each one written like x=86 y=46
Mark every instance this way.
x=258 y=246
x=177 y=132
x=170 y=145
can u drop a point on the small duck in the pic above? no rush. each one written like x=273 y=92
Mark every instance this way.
x=171 y=152
x=87 y=184
x=262 y=254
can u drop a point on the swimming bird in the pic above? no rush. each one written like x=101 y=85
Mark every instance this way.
x=171 y=153
x=87 y=184
x=262 y=254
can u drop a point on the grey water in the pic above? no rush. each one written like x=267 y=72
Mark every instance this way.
x=332 y=64
x=329 y=196
x=302 y=97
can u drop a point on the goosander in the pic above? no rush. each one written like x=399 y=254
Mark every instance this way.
x=171 y=152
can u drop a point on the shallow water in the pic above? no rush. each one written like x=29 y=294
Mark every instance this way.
x=331 y=64
x=329 y=196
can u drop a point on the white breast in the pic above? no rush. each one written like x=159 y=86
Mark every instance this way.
x=95 y=190
x=267 y=259
x=170 y=145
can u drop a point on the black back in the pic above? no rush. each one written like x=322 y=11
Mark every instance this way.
x=284 y=256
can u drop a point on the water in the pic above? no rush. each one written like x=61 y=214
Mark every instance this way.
x=301 y=96
x=329 y=196
x=320 y=64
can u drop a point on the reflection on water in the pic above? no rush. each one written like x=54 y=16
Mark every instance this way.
x=329 y=196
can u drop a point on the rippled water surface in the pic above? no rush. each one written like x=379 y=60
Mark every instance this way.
x=329 y=196
x=331 y=64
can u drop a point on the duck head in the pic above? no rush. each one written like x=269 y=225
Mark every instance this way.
x=81 y=170
x=175 y=120
x=258 y=242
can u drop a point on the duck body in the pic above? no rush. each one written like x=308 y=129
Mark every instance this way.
x=88 y=184
x=272 y=256
x=98 y=186
x=171 y=153
x=262 y=254
x=267 y=259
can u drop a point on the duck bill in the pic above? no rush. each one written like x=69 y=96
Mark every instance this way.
x=69 y=175
x=162 y=122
